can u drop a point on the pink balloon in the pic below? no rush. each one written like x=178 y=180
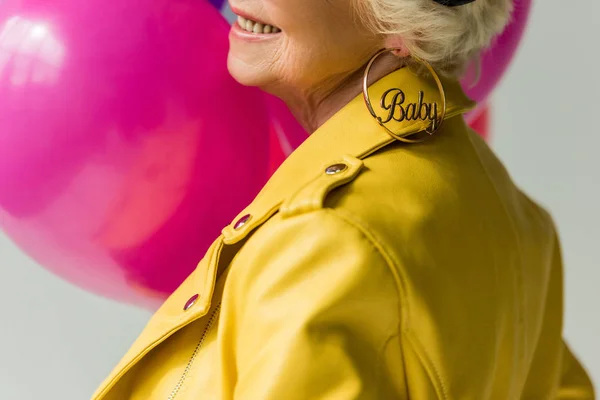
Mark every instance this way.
x=125 y=146
x=496 y=60
x=482 y=123
x=284 y=125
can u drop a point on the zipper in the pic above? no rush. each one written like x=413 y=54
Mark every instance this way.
x=188 y=367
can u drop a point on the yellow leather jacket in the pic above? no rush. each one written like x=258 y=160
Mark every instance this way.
x=370 y=269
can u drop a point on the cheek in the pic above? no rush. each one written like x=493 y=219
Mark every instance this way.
x=317 y=56
x=355 y=44
x=303 y=65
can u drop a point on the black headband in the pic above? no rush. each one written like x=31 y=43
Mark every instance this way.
x=453 y=3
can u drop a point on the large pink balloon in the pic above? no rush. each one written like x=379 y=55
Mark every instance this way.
x=125 y=146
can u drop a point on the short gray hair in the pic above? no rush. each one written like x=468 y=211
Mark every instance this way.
x=446 y=37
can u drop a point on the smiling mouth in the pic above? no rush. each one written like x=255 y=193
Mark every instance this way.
x=256 y=27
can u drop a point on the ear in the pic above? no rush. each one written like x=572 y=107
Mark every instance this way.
x=396 y=42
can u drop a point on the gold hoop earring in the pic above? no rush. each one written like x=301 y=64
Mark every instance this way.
x=435 y=123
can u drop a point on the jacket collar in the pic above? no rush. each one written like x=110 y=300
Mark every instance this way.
x=352 y=131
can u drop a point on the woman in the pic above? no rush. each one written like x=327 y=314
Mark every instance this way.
x=391 y=256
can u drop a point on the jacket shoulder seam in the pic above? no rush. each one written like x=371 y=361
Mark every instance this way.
x=389 y=262
x=377 y=245
x=433 y=372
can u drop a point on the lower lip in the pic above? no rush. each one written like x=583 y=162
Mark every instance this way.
x=238 y=32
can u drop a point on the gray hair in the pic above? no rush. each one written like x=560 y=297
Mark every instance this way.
x=446 y=37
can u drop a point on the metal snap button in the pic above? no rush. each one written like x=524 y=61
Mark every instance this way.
x=242 y=221
x=336 y=169
x=190 y=303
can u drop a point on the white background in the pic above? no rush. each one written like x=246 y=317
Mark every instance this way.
x=58 y=342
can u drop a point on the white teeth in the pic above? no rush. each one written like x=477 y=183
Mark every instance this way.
x=256 y=27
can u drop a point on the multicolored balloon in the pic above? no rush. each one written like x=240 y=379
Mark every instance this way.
x=125 y=145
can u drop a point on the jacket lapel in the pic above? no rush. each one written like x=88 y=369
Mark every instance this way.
x=172 y=315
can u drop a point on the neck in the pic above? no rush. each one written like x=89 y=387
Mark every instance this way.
x=313 y=107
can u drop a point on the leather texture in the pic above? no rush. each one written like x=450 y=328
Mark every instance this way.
x=420 y=271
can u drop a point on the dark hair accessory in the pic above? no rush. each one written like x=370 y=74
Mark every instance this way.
x=453 y=3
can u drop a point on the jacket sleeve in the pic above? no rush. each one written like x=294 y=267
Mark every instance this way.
x=554 y=372
x=315 y=311
x=575 y=383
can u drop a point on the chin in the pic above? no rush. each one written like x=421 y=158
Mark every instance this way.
x=245 y=74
